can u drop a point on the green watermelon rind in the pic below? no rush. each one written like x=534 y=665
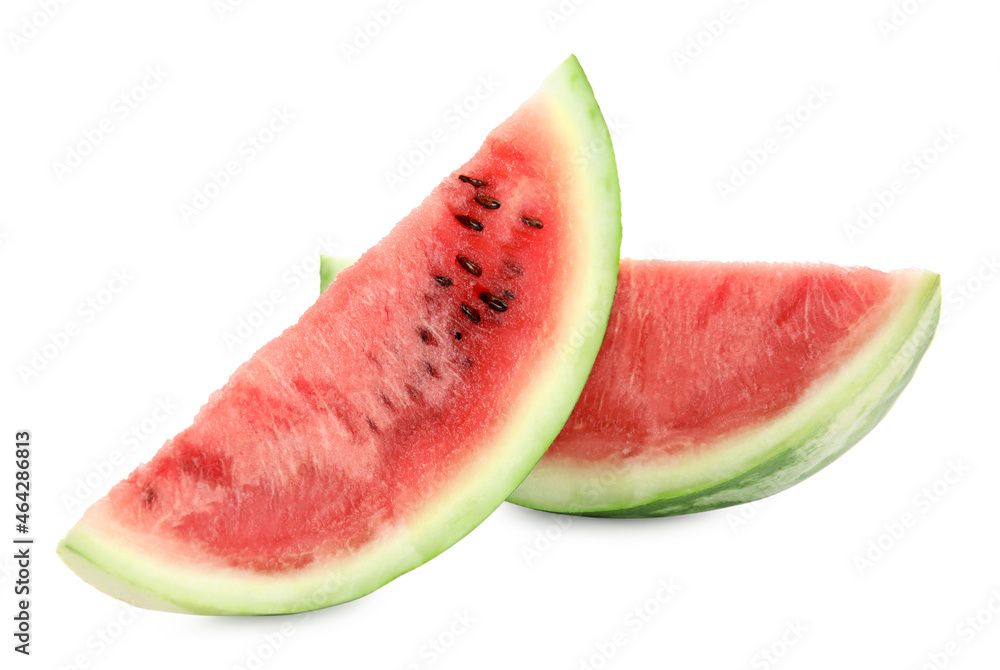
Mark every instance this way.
x=330 y=267
x=832 y=418
x=172 y=578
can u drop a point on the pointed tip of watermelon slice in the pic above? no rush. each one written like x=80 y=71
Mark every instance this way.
x=77 y=560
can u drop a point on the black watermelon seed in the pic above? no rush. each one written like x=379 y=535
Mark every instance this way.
x=478 y=183
x=487 y=201
x=493 y=302
x=469 y=266
x=469 y=222
x=534 y=223
x=425 y=335
x=458 y=336
x=471 y=313
x=443 y=281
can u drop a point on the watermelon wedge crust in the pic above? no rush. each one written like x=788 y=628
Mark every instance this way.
x=754 y=451
x=403 y=407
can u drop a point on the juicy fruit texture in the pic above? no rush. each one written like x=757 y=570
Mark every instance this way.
x=403 y=407
x=722 y=383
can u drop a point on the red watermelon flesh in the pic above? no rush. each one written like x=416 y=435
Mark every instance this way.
x=372 y=389
x=795 y=323
x=402 y=408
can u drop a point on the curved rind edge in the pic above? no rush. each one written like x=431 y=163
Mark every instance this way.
x=808 y=445
x=114 y=565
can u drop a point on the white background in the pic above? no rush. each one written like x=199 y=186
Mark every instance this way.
x=745 y=574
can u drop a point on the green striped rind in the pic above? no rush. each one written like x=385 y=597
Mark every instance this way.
x=761 y=462
x=162 y=575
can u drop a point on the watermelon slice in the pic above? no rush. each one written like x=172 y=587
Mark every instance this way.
x=403 y=407
x=722 y=383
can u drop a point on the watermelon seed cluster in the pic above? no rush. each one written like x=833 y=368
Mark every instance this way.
x=494 y=302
